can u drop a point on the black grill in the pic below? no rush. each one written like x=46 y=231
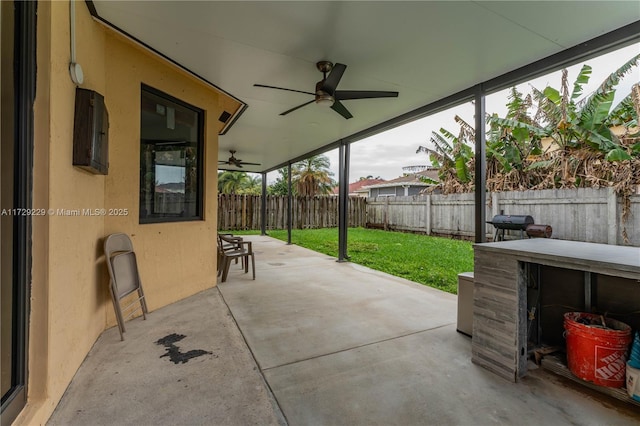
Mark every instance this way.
x=515 y=222
x=520 y=223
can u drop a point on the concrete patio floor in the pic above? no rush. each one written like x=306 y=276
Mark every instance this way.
x=312 y=342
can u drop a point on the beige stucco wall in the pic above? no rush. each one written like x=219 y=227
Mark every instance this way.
x=178 y=258
x=70 y=303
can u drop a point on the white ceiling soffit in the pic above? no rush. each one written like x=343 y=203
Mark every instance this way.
x=424 y=50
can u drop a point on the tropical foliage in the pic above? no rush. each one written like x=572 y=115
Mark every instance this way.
x=281 y=184
x=361 y=178
x=312 y=176
x=308 y=177
x=551 y=138
x=238 y=183
x=453 y=156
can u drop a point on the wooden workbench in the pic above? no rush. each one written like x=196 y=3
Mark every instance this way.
x=500 y=291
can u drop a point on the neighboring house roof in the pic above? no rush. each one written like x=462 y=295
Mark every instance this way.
x=358 y=185
x=171 y=187
x=413 y=179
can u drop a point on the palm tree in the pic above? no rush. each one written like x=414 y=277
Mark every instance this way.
x=232 y=182
x=312 y=176
x=281 y=185
x=253 y=186
x=309 y=177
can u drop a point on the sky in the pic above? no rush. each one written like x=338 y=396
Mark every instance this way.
x=385 y=154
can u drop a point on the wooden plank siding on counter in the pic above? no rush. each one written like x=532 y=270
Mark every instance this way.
x=495 y=314
x=500 y=292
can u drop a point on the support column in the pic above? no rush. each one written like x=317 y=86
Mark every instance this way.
x=263 y=206
x=289 y=204
x=343 y=201
x=480 y=168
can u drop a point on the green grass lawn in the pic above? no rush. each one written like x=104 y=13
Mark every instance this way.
x=432 y=261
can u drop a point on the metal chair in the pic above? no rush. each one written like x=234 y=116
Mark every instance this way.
x=124 y=278
x=230 y=248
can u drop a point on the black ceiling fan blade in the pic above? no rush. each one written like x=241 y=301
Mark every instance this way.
x=342 y=95
x=297 y=107
x=341 y=109
x=249 y=164
x=333 y=79
x=282 y=88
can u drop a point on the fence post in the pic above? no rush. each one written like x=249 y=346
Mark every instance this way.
x=612 y=216
x=243 y=211
x=495 y=204
x=428 y=214
x=386 y=213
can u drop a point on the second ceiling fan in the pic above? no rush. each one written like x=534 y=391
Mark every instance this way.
x=233 y=161
x=326 y=93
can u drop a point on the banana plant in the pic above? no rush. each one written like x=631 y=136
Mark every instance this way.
x=579 y=127
x=577 y=124
x=511 y=140
x=452 y=154
x=625 y=115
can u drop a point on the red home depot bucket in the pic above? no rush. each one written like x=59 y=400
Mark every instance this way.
x=595 y=353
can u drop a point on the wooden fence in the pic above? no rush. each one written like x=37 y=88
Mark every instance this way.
x=243 y=212
x=585 y=214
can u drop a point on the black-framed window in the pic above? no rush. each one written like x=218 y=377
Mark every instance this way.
x=171 y=158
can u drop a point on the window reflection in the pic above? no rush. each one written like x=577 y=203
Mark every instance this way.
x=170 y=162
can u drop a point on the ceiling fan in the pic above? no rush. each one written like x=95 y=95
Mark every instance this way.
x=233 y=161
x=326 y=93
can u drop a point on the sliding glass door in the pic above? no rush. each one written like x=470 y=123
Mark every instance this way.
x=17 y=89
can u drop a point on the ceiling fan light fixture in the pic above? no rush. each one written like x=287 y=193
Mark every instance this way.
x=325 y=100
x=326 y=93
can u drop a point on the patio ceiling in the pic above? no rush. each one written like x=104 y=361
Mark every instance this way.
x=424 y=50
